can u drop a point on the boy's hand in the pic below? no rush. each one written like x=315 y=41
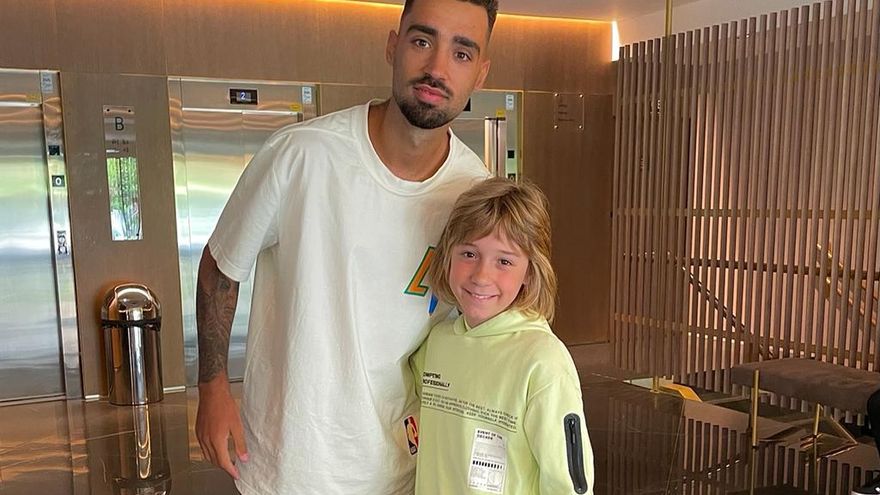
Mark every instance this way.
x=218 y=419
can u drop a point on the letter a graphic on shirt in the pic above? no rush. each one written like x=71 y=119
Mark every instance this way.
x=416 y=286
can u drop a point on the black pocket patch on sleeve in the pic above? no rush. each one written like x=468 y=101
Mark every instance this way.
x=575 y=452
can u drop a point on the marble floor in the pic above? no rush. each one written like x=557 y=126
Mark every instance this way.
x=645 y=443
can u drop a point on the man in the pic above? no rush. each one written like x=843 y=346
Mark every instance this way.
x=341 y=211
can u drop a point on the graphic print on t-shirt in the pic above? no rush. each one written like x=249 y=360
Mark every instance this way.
x=416 y=286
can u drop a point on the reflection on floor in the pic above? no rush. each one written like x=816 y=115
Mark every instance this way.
x=645 y=443
x=95 y=448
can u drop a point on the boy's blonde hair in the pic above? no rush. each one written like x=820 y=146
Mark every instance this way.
x=517 y=211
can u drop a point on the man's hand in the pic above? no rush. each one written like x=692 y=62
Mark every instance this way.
x=218 y=419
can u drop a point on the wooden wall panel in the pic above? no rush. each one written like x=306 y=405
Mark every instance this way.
x=506 y=52
x=243 y=40
x=561 y=56
x=352 y=43
x=111 y=37
x=337 y=97
x=588 y=213
x=600 y=76
x=571 y=166
x=27 y=34
x=99 y=262
x=551 y=67
x=291 y=41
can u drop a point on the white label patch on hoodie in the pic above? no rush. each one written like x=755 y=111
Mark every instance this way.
x=488 y=462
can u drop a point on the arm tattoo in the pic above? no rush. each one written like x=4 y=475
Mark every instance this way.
x=216 y=297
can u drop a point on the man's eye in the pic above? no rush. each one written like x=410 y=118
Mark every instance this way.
x=463 y=56
x=420 y=43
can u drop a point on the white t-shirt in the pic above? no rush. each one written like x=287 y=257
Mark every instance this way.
x=339 y=304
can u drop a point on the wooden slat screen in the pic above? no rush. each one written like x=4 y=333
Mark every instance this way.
x=746 y=192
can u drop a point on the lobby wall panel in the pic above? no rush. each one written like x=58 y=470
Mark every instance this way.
x=562 y=56
x=573 y=167
x=27 y=34
x=554 y=68
x=292 y=41
x=558 y=55
x=352 y=42
x=602 y=72
x=507 y=53
x=110 y=37
x=338 y=96
x=589 y=263
x=99 y=262
x=243 y=40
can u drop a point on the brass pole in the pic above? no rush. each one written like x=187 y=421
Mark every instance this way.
x=665 y=133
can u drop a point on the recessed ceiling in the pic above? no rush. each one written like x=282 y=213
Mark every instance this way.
x=600 y=10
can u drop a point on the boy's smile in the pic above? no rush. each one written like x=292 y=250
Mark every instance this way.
x=486 y=276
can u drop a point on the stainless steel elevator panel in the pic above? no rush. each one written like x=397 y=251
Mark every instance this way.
x=213 y=140
x=470 y=125
x=32 y=356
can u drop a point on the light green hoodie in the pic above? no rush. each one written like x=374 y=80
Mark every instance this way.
x=501 y=411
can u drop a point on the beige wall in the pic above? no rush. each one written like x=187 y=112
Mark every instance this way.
x=104 y=49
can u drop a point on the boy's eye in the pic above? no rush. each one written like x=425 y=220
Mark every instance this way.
x=506 y=262
x=468 y=254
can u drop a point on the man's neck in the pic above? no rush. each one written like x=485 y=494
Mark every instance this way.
x=410 y=153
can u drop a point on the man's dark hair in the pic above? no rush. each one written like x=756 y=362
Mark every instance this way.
x=491 y=7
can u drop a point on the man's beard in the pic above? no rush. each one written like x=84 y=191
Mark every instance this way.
x=420 y=114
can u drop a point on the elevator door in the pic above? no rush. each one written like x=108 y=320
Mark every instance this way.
x=213 y=142
x=31 y=364
x=470 y=125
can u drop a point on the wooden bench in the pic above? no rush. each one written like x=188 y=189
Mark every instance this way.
x=818 y=382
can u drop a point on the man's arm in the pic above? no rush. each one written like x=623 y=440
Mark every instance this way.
x=216 y=298
x=218 y=416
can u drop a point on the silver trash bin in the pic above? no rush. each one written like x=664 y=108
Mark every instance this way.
x=131 y=319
